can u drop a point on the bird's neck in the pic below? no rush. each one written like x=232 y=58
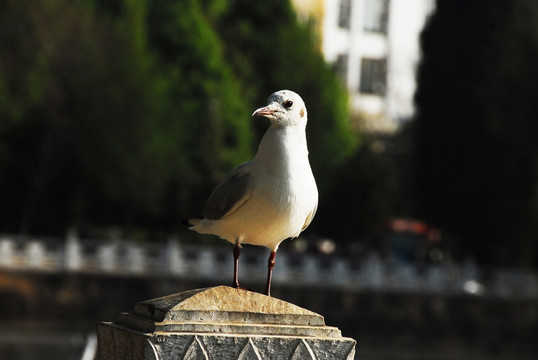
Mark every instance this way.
x=282 y=149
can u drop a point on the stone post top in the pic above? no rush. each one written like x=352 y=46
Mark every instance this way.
x=221 y=299
x=225 y=309
x=221 y=323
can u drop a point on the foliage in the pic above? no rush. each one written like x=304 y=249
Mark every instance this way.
x=125 y=112
x=477 y=156
x=270 y=51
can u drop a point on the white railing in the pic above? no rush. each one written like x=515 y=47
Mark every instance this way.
x=175 y=259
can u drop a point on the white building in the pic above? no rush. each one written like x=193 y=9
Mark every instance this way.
x=374 y=45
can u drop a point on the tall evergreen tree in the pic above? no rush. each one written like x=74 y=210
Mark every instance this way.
x=477 y=152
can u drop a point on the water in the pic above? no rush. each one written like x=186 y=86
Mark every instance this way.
x=36 y=344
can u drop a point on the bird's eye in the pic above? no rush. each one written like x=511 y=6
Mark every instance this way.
x=288 y=104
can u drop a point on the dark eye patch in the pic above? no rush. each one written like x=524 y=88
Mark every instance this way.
x=288 y=104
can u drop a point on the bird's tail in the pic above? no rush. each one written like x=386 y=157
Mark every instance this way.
x=190 y=222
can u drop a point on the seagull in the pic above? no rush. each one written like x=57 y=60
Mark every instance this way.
x=272 y=197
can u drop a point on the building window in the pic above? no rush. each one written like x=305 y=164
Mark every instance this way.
x=340 y=66
x=376 y=14
x=373 y=76
x=344 y=15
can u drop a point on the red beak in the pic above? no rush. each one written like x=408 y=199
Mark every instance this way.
x=264 y=111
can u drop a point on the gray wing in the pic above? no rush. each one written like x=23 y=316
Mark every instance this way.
x=230 y=194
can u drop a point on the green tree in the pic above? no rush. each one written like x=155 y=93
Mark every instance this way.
x=79 y=127
x=208 y=123
x=128 y=112
x=270 y=50
x=115 y=111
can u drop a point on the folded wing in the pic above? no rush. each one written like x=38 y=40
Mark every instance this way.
x=229 y=195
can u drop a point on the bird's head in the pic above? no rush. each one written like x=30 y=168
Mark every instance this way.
x=284 y=108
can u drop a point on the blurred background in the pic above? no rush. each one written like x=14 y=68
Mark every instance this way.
x=118 y=117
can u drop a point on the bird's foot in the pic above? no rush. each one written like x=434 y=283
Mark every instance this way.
x=237 y=286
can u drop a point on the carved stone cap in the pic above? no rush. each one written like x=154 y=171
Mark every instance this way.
x=225 y=310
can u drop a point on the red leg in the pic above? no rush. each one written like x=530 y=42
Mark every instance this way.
x=270 y=266
x=236 y=252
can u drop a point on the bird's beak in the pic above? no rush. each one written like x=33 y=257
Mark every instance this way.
x=264 y=111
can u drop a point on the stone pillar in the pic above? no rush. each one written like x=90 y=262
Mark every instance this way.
x=220 y=323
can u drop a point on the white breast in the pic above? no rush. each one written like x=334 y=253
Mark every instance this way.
x=284 y=194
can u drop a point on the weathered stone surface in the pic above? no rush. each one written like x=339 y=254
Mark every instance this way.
x=221 y=323
x=215 y=346
x=226 y=304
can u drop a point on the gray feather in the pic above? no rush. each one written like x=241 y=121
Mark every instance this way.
x=230 y=194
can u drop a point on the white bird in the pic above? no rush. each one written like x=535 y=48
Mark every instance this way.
x=272 y=197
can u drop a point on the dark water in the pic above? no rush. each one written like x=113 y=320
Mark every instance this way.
x=42 y=344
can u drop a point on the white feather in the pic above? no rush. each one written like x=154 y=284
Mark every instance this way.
x=281 y=197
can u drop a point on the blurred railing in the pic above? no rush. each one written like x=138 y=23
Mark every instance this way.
x=175 y=259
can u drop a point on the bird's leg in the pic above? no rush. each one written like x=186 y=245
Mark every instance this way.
x=236 y=252
x=270 y=266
